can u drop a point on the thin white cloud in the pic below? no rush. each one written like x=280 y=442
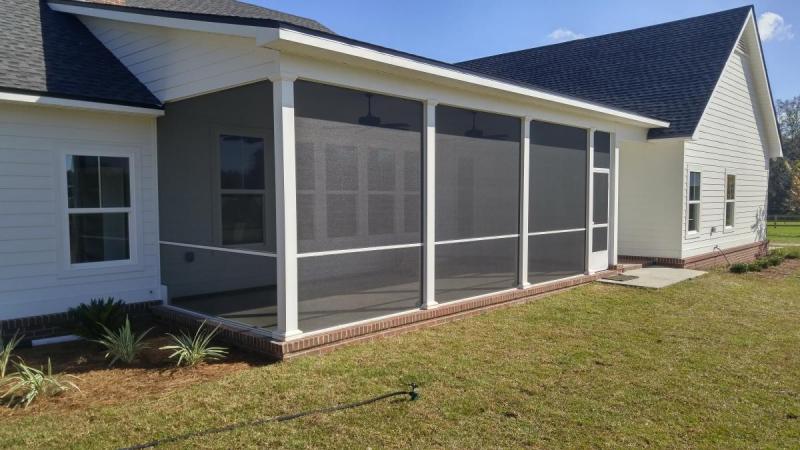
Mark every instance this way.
x=771 y=26
x=563 y=35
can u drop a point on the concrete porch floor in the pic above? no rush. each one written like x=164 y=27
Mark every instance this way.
x=656 y=277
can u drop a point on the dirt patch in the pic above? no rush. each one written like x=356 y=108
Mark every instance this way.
x=153 y=375
x=788 y=268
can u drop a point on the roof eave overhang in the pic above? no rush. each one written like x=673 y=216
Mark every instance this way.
x=313 y=45
x=43 y=99
x=296 y=40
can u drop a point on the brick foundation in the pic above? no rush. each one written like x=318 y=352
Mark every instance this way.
x=742 y=253
x=258 y=342
x=54 y=325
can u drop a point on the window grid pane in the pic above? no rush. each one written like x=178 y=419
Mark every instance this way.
x=694 y=186
x=694 y=217
x=730 y=208
x=730 y=191
x=97 y=237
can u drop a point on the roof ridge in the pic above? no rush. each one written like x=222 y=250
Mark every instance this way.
x=613 y=33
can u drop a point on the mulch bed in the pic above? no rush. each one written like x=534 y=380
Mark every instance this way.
x=100 y=385
x=788 y=268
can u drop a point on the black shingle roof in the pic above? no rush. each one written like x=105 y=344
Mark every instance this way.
x=667 y=71
x=46 y=52
x=221 y=8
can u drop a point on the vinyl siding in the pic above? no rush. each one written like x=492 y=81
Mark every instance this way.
x=176 y=64
x=34 y=274
x=729 y=139
x=649 y=198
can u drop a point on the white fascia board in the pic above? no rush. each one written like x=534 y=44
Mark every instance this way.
x=295 y=41
x=161 y=21
x=775 y=150
x=41 y=100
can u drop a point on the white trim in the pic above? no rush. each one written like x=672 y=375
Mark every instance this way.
x=43 y=100
x=357 y=250
x=429 y=201
x=293 y=40
x=285 y=206
x=589 y=198
x=477 y=239
x=524 y=201
x=693 y=234
x=220 y=249
x=542 y=233
x=613 y=215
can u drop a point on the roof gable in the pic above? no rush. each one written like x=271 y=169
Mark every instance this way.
x=667 y=71
x=50 y=53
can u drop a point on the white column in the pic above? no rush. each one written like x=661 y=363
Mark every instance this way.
x=524 y=202
x=429 y=190
x=589 y=200
x=613 y=226
x=285 y=205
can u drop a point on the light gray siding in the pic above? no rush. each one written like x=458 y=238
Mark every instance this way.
x=35 y=275
x=730 y=140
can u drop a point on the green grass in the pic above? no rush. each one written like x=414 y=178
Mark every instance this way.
x=710 y=363
x=784 y=232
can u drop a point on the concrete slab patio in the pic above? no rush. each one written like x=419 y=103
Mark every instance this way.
x=656 y=277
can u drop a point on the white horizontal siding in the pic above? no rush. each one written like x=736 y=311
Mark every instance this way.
x=729 y=140
x=178 y=64
x=34 y=274
x=649 y=199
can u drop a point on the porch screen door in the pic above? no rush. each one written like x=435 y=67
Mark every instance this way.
x=601 y=175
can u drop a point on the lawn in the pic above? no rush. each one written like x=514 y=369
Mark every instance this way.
x=784 y=232
x=710 y=363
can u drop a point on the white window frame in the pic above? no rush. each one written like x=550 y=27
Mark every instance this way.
x=725 y=226
x=133 y=241
x=689 y=202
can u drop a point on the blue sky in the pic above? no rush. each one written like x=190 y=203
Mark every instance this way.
x=456 y=30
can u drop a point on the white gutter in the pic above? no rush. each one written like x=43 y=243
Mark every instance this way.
x=288 y=40
x=42 y=100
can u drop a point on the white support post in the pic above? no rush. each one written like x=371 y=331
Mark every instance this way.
x=589 y=199
x=613 y=226
x=429 y=189
x=285 y=205
x=524 y=202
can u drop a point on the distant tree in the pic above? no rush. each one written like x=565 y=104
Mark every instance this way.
x=784 y=177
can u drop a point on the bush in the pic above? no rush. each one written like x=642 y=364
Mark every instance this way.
x=6 y=348
x=775 y=260
x=91 y=321
x=28 y=383
x=791 y=253
x=122 y=345
x=762 y=262
x=193 y=350
x=739 y=268
x=754 y=267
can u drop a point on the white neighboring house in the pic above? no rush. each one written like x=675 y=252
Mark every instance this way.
x=254 y=167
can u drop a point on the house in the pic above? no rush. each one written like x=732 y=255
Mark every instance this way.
x=303 y=188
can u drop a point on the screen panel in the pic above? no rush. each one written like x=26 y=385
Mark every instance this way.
x=470 y=269
x=558 y=163
x=363 y=152
x=602 y=150
x=600 y=204
x=477 y=174
x=554 y=256
x=339 y=289
x=600 y=239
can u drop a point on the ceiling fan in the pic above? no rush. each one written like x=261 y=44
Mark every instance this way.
x=475 y=132
x=375 y=121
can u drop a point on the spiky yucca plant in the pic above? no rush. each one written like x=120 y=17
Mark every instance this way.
x=90 y=319
x=193 y=350
x=29 y=383
x=122 y=345
x=6 y=348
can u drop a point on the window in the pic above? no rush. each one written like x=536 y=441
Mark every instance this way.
x=693 y=222
x=730 y=200
x=98 y=208
x=242 y=189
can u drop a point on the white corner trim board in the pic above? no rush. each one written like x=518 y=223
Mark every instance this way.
x=10 y=97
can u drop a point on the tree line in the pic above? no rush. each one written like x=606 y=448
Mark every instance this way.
x=784 y=175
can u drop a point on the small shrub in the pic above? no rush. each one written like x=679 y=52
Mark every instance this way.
x=6 y=348
x=791 y=253
x=777 y=252
x=193 y=350
x=775 y=260
x=754 y=267
x=28 y=384
x=92 y=320
x=762 y=262
x=122 y=345
x=739 y=268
